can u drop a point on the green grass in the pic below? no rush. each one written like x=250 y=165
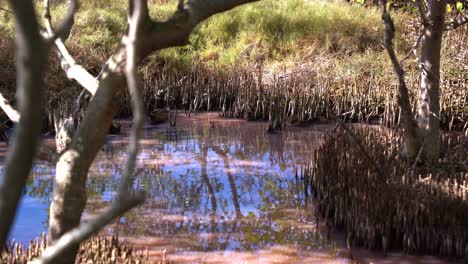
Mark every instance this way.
x=282 y=32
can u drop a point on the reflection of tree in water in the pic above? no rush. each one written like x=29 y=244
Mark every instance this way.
x=226 y=186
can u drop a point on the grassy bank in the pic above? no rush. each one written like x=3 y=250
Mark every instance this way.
x=287 y=61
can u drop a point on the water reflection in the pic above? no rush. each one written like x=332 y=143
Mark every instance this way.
x=219 y=190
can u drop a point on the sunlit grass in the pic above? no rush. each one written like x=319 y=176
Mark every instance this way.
x=280 y=32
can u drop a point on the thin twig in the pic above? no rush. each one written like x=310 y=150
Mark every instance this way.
x=12 y=113
x=422 y=12
x=72 y=69
x=135 y=21
x=414 y=50
x=409 y=123
x=418 y=157
x=6 y=10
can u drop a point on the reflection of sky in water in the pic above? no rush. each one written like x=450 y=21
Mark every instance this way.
x=217 y=186
x=31 y=219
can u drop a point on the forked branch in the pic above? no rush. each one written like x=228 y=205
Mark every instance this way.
x=73 y=70
x=144 y=37
x=138 y=13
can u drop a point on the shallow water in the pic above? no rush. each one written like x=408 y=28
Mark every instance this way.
x=220 y=191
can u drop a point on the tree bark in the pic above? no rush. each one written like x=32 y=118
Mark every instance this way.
x=71 y=172
x=412 y=142
x=30 y=67
x=69 y=194
x=429 y=105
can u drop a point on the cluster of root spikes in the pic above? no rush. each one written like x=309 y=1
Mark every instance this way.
x=98 y=250
x=303 y=96
x=382 y=201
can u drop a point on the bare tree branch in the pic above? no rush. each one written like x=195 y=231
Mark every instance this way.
x=12 y=114
x=409 y=123
x=176 y=30
x=135 y=21
x=458 y=22
x=414 y=50
x=31 y=58
x=72 y=169
x=73 y=70
x=123 y=202
x=44 y=152
x=422 y=11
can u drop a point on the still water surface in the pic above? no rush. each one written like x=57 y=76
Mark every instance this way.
x=219 y=191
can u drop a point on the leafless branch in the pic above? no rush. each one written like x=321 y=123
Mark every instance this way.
x=409 y=123
x=44 y=153
x=73 y=166
x=73 y=70
x=414 y=50
x=458 y=22
x=176 y=30
x=125 y=199
x=388 y=43
x=422 y=12
x=135 y=22
x=12 y=114
x=31 y=57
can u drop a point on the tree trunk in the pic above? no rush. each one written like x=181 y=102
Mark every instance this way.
x=429 y=108
x=70 y=194
x=64 y=131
